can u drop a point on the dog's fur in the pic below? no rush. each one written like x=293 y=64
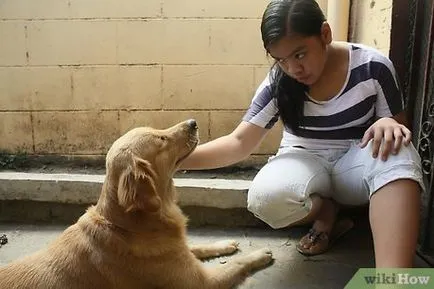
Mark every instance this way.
x=135 y=236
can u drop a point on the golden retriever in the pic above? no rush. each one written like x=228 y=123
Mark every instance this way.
x=135 y=236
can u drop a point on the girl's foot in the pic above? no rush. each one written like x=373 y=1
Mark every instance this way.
x=325 y=230
x=315 y=242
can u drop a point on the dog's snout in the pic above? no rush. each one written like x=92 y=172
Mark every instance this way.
x=192 y=123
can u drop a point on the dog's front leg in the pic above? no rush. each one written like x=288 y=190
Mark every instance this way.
x=237 y=269
x=216 y=249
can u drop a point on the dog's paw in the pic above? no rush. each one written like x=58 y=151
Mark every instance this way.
x=260 y=258
x=225 y=247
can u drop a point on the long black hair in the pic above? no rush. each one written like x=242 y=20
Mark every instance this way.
x=299 y=17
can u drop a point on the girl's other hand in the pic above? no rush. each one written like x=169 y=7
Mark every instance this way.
x=387 y=133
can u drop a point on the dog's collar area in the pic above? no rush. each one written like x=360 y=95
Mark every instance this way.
x=100 y=220
x=113 y=226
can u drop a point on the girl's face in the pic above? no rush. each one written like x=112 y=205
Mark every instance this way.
x=302 y=57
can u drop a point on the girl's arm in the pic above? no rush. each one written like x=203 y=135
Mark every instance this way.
x=226 y=150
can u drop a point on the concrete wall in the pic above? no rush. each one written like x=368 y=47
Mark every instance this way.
x=76 y=74
x=371 y=23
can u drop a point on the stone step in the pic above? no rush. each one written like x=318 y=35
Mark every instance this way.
x=41 y=197
x=63 y=197
x=85 y=189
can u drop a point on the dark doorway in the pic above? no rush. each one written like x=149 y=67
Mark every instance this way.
x=412 y=53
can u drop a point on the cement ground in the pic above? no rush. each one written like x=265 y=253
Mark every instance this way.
x=290 y=269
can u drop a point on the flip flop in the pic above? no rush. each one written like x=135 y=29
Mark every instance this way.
x=320 y=242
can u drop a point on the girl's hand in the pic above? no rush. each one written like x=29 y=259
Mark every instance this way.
x=387 y=133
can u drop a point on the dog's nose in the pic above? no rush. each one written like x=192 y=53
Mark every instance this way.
x=192 y=123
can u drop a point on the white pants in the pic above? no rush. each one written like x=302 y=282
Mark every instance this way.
x=279 y=194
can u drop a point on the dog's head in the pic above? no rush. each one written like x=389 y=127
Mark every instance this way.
x=141 y=163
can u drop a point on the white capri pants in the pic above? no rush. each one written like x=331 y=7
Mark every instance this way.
x=279 y=194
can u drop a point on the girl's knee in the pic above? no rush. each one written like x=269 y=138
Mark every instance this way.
x=266 y=202
x=406 y=154
x=404 y=165
x=279 y=209
x=279 y=215
x=279 y=191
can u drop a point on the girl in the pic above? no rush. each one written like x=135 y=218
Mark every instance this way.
x=345 y=141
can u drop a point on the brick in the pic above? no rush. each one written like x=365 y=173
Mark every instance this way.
x=260 y=74
x=14 y=88
x=40 y=88
x=31 y=9
x=115 y=8
x=207 y=87
x=236 y=42
x=191 y=41
x=224 y=122
x=127 y=87
x=163 y=41
x=186 y=41
x=72 y=42
x=16 y=132
x=75 y=132
x=13 y=43
x=140 y=41
x=212 y=8
x=219 y=9
x=163 y=120
x=50 y=88
x=272 y=140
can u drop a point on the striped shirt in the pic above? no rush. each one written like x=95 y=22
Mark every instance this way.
x=371 y=91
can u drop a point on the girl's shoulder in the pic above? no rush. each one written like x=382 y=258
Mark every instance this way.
x=365 y=51
x=363 y=54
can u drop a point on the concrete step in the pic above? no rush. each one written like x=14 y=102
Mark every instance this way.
x=36 y=198
x=85 y=189
x=63 y=197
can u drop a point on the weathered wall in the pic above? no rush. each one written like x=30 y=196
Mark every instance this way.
x=76 y=74
x=371 y=23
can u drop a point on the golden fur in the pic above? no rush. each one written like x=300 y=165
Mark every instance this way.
x=135 y=236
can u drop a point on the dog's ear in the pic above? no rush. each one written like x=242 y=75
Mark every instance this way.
x=136 y=190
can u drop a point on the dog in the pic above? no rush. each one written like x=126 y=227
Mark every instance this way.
x=135 y=236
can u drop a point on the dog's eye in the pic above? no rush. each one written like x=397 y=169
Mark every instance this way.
x=163 y=137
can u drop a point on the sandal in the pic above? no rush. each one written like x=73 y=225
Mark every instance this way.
x=320 y=242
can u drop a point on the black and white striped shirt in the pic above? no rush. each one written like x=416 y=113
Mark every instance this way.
x=371 y=91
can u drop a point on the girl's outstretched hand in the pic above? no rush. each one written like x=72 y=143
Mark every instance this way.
x=387 y=133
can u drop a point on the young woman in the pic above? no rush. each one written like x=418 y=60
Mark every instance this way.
x=345 y=141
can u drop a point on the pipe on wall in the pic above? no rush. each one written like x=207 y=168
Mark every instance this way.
x=338 y=13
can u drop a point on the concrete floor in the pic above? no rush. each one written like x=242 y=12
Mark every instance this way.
x=289 y=270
